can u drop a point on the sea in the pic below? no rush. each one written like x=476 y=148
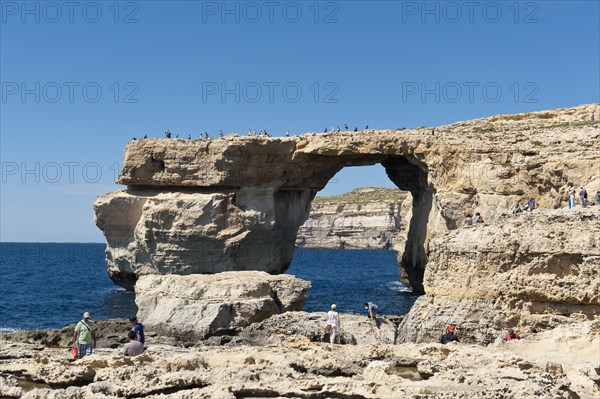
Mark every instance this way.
x=49 y=285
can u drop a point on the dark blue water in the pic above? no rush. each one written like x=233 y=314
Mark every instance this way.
x=48 y=285
x=350 y=278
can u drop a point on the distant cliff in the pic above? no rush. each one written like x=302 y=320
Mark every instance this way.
x=365 y=218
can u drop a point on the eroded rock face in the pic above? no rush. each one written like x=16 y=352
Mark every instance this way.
x=199 y=306
x=185 y=232
x=237 y=203
x=533 y=270
x=355 y=330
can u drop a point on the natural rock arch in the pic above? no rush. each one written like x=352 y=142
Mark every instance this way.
x=195 y=207
x=236 y=203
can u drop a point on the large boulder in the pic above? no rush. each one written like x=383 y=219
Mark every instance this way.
x=355 y=329
x=150 y=231
x=198 y=306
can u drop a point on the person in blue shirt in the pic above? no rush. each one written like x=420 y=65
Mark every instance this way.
x=138 y=329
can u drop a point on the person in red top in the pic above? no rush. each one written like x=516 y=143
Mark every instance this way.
x=450 y=336
x=510 y=334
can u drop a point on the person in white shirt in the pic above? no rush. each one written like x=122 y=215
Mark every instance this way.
x=333 y=320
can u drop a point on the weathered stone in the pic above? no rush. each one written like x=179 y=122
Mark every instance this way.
x=198 y=306
x=532 y=270
x=535 y=270
x=9 y=387
x=355 y=329
x=236 y=203
x=295 y=367
x=153 y=232
x=65 y=374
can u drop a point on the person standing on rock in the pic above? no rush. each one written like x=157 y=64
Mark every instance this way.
x=582 y=196
x=134 y=347
x=333 y=320
x=138 y=330
x=597 y=197
x=85 y=336
x=571 y=198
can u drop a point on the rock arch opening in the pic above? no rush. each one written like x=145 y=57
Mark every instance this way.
x=410 y=176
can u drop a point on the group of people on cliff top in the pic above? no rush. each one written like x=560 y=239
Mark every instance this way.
x=84 y=338
x=571 y=202
x=346 y=129
x=261 y=133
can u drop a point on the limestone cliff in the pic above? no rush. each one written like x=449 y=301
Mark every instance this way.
x=365 y=218
x=237 y=203
x=528 y=271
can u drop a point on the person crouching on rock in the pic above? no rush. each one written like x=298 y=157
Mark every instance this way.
x=85 y=336
x=371 y=308
x=333 y=321
x=449 y=336
x=134 y=347
x=510 y=335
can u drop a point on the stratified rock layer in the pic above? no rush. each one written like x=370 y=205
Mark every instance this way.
x=532 y=270
x=149 y=231
x=365 y=218
x=199 y=306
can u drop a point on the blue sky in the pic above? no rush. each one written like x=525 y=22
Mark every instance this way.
x=80 y=80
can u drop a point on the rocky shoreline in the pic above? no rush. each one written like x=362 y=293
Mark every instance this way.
x=284 y=357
